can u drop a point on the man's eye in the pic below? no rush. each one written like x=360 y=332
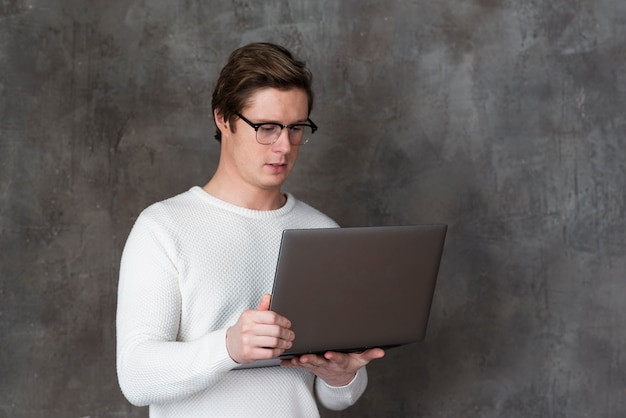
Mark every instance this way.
x=267 y=128
x=297 y=128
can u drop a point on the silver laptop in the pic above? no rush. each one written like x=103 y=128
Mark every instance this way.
x=349 y=289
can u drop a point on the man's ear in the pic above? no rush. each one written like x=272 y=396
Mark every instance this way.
x=220 y=122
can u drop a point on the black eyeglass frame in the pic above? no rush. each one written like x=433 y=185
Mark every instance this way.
x=256 y=127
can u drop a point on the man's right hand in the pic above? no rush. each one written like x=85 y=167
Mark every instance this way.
x=259 y=334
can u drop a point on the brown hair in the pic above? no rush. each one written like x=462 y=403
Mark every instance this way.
x=256 y=66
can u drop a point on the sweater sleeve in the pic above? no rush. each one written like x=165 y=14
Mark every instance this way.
x=338 y=398
x=152 y=366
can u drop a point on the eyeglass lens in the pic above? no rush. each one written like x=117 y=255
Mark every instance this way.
x=268 y=133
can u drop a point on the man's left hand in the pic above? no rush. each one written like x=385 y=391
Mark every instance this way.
x=336 y=369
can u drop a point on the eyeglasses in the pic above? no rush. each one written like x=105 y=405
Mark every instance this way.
x=268 y=132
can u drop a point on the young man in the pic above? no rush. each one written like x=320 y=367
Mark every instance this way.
x=195 y=267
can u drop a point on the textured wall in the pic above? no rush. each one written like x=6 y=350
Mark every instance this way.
x=504 y=119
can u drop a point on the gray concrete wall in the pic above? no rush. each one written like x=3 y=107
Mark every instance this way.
x=504 y=119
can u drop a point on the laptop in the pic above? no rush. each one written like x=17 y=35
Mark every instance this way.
x=350 y=289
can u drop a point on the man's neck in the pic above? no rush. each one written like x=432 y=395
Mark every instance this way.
x=255 y=199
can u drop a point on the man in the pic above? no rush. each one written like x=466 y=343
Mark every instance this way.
x=195 y=266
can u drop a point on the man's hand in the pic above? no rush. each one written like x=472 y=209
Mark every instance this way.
x=336 y=369
x=259 y=334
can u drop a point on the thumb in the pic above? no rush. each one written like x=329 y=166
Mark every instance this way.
x=264 y=304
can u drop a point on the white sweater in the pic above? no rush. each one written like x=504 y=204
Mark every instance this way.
x=190 y=266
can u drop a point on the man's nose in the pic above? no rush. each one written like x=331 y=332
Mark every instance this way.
x=282 y=142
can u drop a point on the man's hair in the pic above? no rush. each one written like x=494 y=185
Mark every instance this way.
x=253 y=67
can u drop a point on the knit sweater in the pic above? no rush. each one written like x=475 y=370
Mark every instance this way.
x=191 y=265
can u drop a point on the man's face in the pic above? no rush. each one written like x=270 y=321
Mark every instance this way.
x=264 y=167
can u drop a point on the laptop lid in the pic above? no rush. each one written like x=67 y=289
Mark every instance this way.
x=349 y=289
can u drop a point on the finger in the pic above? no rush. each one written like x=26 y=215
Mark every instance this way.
x=268 y=318
x=264 y=304
x=363 y=357
x=337 y=358
x=260 y=328
x=332 y=356
x=276 y=331
x=373 y=354
x=273 y=343
x=308 y=361
x=263 y=353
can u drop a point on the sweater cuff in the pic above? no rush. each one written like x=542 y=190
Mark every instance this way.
x=341 y=397
x=222 y=362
